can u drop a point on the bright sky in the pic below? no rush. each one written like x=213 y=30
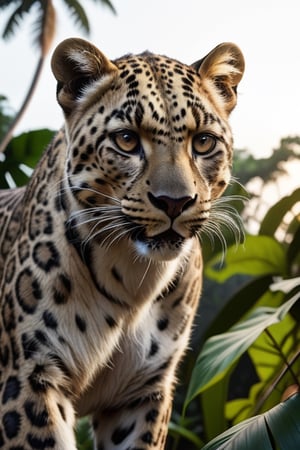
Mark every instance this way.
x=267 y=31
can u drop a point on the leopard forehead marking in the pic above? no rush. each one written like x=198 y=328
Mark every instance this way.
x=159 y=95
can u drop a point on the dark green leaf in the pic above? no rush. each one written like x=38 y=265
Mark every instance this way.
x=213 y=402
x=294 y=247
x=176 y=429
x=83 y=438
x=284 y=424
x=23 y=149
x=220 y=352
x=239 y=304
x=274 y=216
x=279 y=425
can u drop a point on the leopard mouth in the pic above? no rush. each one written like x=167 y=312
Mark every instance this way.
x=163 y=246
x=168 y=238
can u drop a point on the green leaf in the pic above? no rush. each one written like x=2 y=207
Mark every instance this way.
x=213 y=402
x=176 y=429
x=239 y=304
x=294 y=247
x=275 y=215
x=24 y=149
x=249 y=435
x=220 y=352
x=258 y=256
x=271 y=369
x=279 y=426
x=83 y=435
x=284 y=423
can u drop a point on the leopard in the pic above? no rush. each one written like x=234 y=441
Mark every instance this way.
x=101 y=261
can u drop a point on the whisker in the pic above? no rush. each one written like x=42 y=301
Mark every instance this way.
x=223 y=215
x=145 y=274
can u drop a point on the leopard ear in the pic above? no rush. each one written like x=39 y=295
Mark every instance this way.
x=76 y=64
x=223 y=69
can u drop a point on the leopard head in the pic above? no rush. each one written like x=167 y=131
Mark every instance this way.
x=149 y=145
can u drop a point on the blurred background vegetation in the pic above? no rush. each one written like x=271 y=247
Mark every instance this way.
x=239 y=382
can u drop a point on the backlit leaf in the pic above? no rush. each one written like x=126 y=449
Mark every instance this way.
x=220 y=352
x=258 y=256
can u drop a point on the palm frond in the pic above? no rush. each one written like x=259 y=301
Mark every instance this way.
x=14 y=20
x=107 y=3
x=78 y=14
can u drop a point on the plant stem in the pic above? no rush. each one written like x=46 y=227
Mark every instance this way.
x=278 y=348
x=270 y=389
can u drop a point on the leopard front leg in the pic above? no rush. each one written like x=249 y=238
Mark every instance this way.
x=35 y=415
x=142 y=426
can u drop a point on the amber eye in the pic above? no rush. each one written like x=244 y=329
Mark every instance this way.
x=126 y=140
x=204 y=143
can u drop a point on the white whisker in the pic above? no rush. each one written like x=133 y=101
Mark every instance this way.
x=145 y=274
x=224 y=216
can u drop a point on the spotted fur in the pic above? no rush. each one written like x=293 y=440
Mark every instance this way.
x=100 y=258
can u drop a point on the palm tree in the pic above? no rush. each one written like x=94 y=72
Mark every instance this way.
x=44 y=27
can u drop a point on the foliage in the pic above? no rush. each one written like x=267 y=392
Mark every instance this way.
x=279 y=426
x=83 y=437
x=23 y=153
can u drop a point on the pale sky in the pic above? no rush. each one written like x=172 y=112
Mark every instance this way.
x=267 y=31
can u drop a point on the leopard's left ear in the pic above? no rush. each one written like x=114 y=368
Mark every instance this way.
x=77 y=64
x=222 y=69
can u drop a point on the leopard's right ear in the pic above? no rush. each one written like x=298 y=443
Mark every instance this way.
x=221 y=71
x=76 y=65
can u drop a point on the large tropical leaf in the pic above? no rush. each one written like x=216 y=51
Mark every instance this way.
x=258 y=256
x=277 y=428
x=220 y=352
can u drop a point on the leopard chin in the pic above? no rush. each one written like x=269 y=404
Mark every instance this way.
x=162 y=247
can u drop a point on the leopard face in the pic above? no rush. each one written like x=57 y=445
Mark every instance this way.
x=149 y=146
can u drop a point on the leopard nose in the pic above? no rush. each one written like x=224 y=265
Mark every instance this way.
x=173 y=207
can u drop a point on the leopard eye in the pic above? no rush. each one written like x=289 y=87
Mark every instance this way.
x=204 y=143
x=126 y=140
